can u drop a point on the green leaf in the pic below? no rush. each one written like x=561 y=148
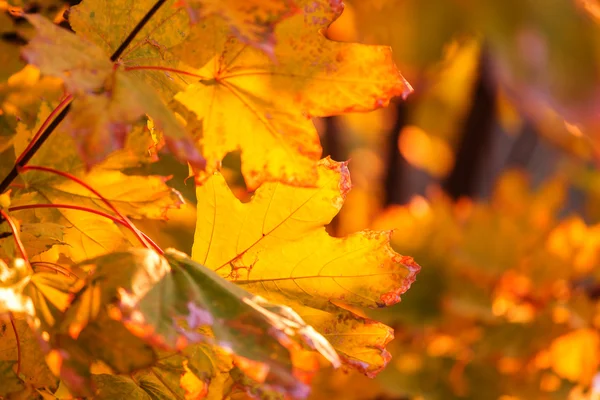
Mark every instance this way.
x=105 y=340
x=175 y=375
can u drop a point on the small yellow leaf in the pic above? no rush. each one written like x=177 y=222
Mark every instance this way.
x=273 y=102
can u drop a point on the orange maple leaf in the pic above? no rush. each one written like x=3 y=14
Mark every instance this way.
x=263 y=108
x=276 y=246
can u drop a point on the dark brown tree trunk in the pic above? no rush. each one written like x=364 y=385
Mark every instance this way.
x=477 y=133
x=395 y=190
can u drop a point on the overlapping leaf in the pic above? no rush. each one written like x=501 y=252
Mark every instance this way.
x=165 y=301
x=36 y=237
x=197 y=371
x=148 y=57
x=275 y=100
x=276 y=246
x=108 y=100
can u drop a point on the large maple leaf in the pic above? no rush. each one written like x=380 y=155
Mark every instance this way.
x=276 y=246
x=248 y=102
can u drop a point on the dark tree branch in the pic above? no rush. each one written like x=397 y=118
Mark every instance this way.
x=14 y=172
x=397 y=166
x=136 y=30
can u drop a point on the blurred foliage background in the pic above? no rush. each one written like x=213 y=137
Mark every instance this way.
x=488 y=175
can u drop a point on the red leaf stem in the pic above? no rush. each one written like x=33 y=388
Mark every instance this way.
x=146 y=240
x=73 y=178
x=53 y=266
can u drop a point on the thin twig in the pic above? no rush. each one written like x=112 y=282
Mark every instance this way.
x=73 y=178
x=44 y=125
x=88 y=210
x=136 y=30
x=26 y=156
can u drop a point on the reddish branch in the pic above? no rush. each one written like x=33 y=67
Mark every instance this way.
x=53 y=266
x=73 y=178
x=33 y=148
x=146 y=240
x=44 y=126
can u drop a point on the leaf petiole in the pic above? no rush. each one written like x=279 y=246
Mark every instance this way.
x=54 y=267
x=61 y=105
x=73 y=178
x=92 y=211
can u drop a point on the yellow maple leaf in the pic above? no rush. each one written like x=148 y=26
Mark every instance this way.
x=263 y=108
x=276 y=246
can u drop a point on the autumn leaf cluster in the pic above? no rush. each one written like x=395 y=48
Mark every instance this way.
x=96 y=94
